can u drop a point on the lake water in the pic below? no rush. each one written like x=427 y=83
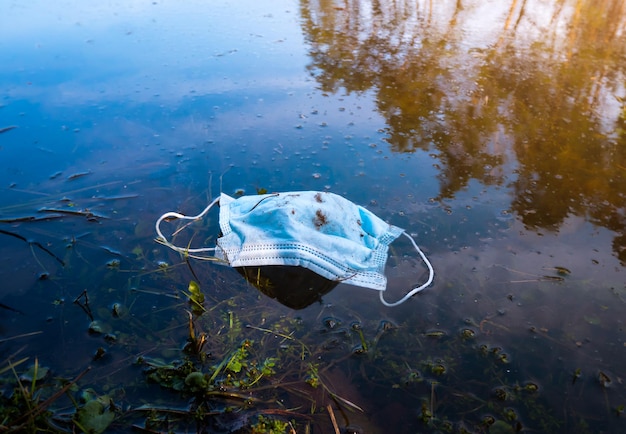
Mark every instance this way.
x=493 y=132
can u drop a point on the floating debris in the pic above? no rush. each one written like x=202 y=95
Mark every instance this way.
x=561 y=271
x=113 y=263
x=89 y=215
x=78 y=175
x=4 y=306
x=6 y=129
x=436 y=334
x=604 y=379
x=468 y=333
x=111 y=250
x=331 y=323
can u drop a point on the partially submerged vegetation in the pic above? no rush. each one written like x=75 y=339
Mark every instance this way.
x=239 y=369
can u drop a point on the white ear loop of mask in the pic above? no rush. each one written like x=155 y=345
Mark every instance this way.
x=192 y=253
x=411 y=293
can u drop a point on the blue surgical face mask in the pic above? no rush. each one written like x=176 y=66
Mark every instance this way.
x=320 y=231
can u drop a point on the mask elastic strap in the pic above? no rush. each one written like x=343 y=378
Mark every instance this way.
x=192 y=253
x=414 y=291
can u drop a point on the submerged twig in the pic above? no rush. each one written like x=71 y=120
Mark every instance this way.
x=193 y=273
x=305 y=349
x=12 y=365
x=32 y=243
x=23 y=335
x=331 y=413
x=84 y=305
x=4 y=306
x=537 y=277
x=344 y=401
x=39 y=202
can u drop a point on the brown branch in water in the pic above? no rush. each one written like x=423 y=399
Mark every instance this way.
x=331 y=413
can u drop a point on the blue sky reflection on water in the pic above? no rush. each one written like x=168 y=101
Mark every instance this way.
x=132 y=109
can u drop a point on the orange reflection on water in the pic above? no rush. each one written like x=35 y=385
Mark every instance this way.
x=526 y=94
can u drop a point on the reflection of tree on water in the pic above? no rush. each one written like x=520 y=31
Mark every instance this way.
x=543 y=93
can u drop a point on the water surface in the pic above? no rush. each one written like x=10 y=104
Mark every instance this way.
x=493 y=132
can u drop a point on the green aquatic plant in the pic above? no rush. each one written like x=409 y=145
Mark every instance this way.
x=312 y=376
x=27 y=407
x=196 y=297
x=238 y=370
x=95 y=414
x=271 y=425
x=356 y=327
x=230 y=373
